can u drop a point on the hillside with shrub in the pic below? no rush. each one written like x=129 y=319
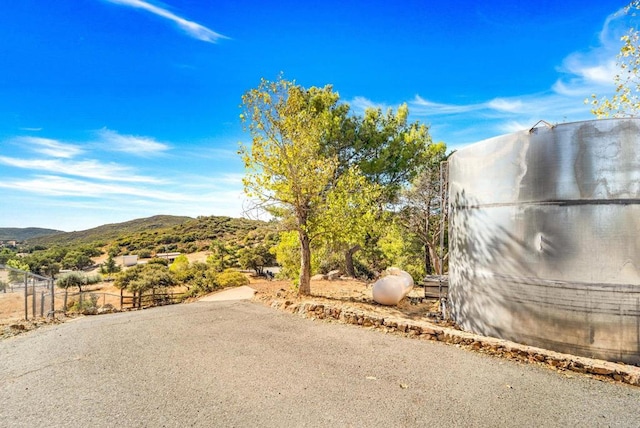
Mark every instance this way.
x=25 y=233
x=108 y=232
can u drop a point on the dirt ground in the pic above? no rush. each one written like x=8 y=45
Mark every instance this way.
x=355 y=293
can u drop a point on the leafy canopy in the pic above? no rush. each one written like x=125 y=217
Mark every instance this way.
x=626 y=100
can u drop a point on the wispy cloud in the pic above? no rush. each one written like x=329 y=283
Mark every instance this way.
x=49 y=147
x=425 y=107
x=87 y=168
x=192 y=28
x=360 y=104
x=580 y=75
x=57 y=186
x=132 y=144
x=54 y=185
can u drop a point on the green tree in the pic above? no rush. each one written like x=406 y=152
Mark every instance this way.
x=219 y=257
x=76 y=260
x=388 y=151
x=180 y=263
x=72 y=279
x=387 y=148
x=400 y=248
x=141 y=278
x=109 y=267
x=421 y=213
x=255 y=257
x=17 y=264
x=5 y=255
x=352 y=215
x=626 y=100
x=50 y=268
x=286 y=172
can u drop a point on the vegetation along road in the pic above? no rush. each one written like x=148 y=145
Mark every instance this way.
x=242 y=364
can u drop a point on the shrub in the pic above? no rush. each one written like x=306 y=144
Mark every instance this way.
x=88 y=305
x=144 y=254
x=231 y=278
x=158 y=260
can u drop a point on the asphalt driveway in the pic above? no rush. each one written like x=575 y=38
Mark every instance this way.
x=241 y=364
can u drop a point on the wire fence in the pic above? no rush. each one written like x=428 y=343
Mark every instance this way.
x=37 y=296
x=33 y=287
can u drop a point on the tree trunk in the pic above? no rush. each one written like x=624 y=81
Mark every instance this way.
x=304 y=288
x=348 y=261
x=428 y=266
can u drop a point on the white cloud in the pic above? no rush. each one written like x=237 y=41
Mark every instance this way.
x=593 y=70
x=425 y=107
x=581 y=74
x=49 y=147
x=54 y=185
x=90 y=204
x=87 y=168
x=505 y=105
x=193 y=29
x=141 y=146
x=360 y=104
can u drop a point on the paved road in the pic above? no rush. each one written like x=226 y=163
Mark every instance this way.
x=241 y=364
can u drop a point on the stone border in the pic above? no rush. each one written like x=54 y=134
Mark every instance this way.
x=426 y=330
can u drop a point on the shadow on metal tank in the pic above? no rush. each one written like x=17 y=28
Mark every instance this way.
x=545 y=238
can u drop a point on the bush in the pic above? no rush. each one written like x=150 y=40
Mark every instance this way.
x=144 y=254
x=231 y=278
x=88 y=305
x=158 y=260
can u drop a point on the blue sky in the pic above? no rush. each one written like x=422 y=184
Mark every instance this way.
x=112 y=110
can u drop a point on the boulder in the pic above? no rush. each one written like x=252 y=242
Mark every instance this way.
x=333 y=275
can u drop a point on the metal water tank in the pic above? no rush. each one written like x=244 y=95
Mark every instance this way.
x=544 y=238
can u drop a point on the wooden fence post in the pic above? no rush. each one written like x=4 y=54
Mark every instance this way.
x=26 y=299
x=53 y=299
x=42 y=304
x=33 y=297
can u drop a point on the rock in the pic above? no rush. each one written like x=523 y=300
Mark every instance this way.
x=427 y=330
x=333 y=275
x=318 y=277
x=600 y=370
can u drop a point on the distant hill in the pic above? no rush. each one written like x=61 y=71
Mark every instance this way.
x=110 y=232
x=24 y=233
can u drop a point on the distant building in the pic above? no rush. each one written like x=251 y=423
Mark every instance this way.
x=169 y=256
x=130 y=260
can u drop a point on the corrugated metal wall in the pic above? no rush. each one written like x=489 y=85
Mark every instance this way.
x=545 y=238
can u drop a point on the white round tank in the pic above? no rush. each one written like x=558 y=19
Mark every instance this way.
x=392 y=287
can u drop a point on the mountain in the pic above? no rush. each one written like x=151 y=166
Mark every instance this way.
x=110 y=232
x=24 y=233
